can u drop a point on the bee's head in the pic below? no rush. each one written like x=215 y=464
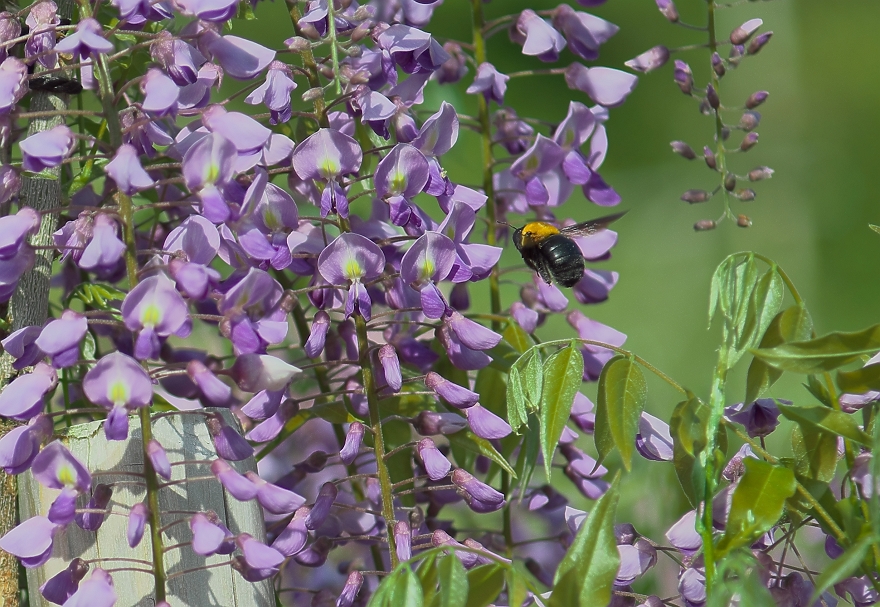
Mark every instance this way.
x=517 y=238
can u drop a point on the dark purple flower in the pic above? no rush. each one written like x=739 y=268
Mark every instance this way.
x=321 y=508
x=60 y=338
x=683 y=534
x=240 y=487
x=254 y=313
x=105 y=249
x=20 y=446
x=584 y=32
x=229 y=444
x=137 y=519
x=537 y=36
x=47 y=149
x=316 y=554
x=650 y=60
x=479 y=496
x=154 y=310
x=97 y=591
x=87 y=39
x=604 y=85
x=635 y=560
x=354 y=438
x=436 y=464
x=692 y=586
x=273 y=424
x=31 y=541
x=119 y=384
x=491 y=83
x=275 y=92
x=431 y=423
x=653 y=441
x=455 y=67
x=352 y=259
x=63 y=584
x=413 y=50
x=293 y=538
x=315 y=344
x=859 y=589
x=486 y=424
x=582 y=413
x=760 y=418
x=350 y=589
x=24 y=397
x=42 y=21
x=95 y=511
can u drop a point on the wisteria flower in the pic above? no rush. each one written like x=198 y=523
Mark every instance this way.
x=47 y=149
x=57 y=468
x=154 y=310
x=326 y=156
x=119 y=384
x=352 y=259
x=428 y=261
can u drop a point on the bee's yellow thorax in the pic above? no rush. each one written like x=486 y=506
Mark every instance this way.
x=537 y=231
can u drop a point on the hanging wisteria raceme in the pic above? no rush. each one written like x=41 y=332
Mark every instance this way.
x=304 y=260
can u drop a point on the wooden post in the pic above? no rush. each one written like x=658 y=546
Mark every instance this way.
x=185 y=438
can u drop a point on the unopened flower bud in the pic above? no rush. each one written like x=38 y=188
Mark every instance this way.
x=390 y=366
x=735 y=55
x=315 y=344
x=430 y=423
x=693 y=196
x=758 y=43
x=312 y=94
x=361 y=31
x=93 y=518
x=718 y=65
x=741 y=34
x=756 y=99
x=683 y=150
x=704 y=225
x=705 y=108
x=309 y=31
x=748 y=142
x=743 y=221
x=712 y=97
x=750 y=120
x=683 y=77
x=159 y=459
x=759 y=173
x=709 y=157
x=746 y=195
x=725 y=133
x=436 y=464
x=297 y=44
x=323 y=503
x=730 y=182
x=403 y=540
x=651 y=59
x=353 y=440
x=10 y=183
x=668 y=10
x=137 y=519
x=350 y=590
x=355 y=50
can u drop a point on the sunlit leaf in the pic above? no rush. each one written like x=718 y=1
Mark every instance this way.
x=792 y=324
x=843 y=566
x=516 y=337
x=859 y=381
x=824 y=353
x=485 y=583
x=815 y=452
x=428 y=575
x=827 y=420
x=622 y=397
x=453 y=581
x=563 y=373
x=758 y=502
x=688 y=428
x=517 y=591
x=762 y=306
x=587 y=572
x=516 y=400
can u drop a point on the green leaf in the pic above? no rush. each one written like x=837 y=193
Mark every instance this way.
x=517 y=591
x=824 y=353
x=843 y=566
x=467 y=440
x=827 y=420
x=563 y=374
x=88 y=346
x=719 y=277
x=875 y=228
x=622 y=397
x=453 y=581
x=428 y=575
x=758 y=502
x=792 y=324
x=407 y=590
x=516 y=337
x=485 y=583
x=859 y=381
x=818 y=389
x=587 y=572
x=761 y=308
x=815 y=452
x=516 y=400
x=532 y=371
x=528 y=453
x=688 y=428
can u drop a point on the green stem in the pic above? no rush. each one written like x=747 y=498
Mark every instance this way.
x=153 y=505
x=378 y=436
x=310 y=65
x=720 y=156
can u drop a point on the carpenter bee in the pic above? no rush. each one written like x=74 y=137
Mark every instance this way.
x=551 y=252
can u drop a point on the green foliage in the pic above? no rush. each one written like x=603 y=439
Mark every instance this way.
x=485 y=583
x=563 y=372
x=622 y=397
x=859 y=381
x=815 y=452
x=688 y=427
x=96 y=296
x=465 y=441
x=843 y=566
x=453 y=582
x=792 y=324
x=758 y=502
x=525 y=385
x=823 y=354
x=827 y=420
x=401 y=588
x=587 y=572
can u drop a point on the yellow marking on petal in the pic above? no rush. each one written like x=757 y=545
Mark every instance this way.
x=329 y=168
x=272 y=219
x=151 y=315
x=353 y=269
x=213 y=173
x=118 y=393
x=427 y=269
x=398 y=182
x=66 y=475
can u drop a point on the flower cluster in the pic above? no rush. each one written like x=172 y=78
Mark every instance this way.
x=193 y=232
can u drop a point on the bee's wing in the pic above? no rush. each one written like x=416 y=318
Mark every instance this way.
x=588 y=228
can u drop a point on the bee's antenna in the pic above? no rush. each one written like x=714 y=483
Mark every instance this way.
x=503 y=223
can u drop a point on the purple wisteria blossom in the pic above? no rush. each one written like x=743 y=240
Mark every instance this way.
x=352 y=259
x=47 y=149
x=154 y=310
x=327 y=156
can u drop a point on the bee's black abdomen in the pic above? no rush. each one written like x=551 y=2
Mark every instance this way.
x=564 y=259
